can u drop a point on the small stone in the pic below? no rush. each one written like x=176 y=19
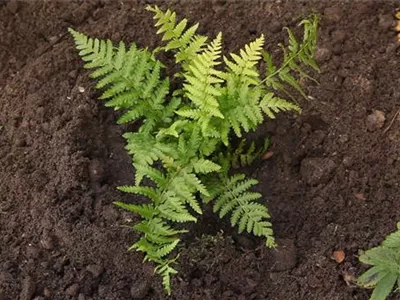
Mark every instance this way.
x=332 y=14
x=338 y=36
x=347 y=161
x=13 y=6
x=73 y=74
x=386 y=21
x=284 y=257
x=140 y=289
x=267 y=155
x=72 y=290
x=47 y=243
x=337 y=49
x=317 y=170
x=47 y=293
x=343 y=138
x=376 y=120
x=81 y=297
x=96 y=270
x=338 y=256
x=28 y=288
x=24 y=124
x=360 y=196
x=81 y=89
x=323 y=54
x=275 y=27
x=20 y=142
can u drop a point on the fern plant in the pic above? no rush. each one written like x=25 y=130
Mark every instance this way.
x=384 y=274
x=182 y=147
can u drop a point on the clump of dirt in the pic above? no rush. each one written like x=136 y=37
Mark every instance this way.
x=61 y=157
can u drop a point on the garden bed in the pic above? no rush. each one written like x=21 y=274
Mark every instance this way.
x=332 y=182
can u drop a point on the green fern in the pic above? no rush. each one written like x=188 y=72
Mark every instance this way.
x=294 y=56
x=247 y=214
x=181 y=152
x=385 y=270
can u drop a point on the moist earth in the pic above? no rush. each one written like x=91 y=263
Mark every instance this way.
x=332 y=182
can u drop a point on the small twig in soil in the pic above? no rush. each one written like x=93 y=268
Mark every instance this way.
x=391 y=122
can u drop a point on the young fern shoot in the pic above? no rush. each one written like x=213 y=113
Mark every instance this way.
x=183 y=146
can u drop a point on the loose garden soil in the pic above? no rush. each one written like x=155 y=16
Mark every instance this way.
x=332 y=182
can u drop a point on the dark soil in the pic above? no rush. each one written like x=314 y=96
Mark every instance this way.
x=332 y=183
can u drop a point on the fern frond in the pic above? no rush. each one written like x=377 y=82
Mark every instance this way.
x=235 y=198
x=165 y=271
x=272 y=105
x=144 y=210
x=174 y=209
x=205 y=166
x=243 y=65
x=296 y=54
x=131 y=79
x=240 y=104
x=182 y=40
x=147 y=191
x=201 y=82
x=152 y=173
x=146 y=149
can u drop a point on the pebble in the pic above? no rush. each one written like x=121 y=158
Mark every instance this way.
x=47 y=293
x=360 y=196
x=338 y=36
x=338 y=256
x=140 y=289
x=81 y=89
x=13 y=6
x=347 y=161
x=20 y=142
x=47 y=243
x=275 y=27
x=323 y=54
x=28 y=288
x=95 y=270
x=81 y=297
x=386 y=21
x=73 y=74
x=333 y=14
x=72 y=290
x=284 y=257
x=337 y=49
x=317 y=170
x=343 y=138
x=376 y=120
